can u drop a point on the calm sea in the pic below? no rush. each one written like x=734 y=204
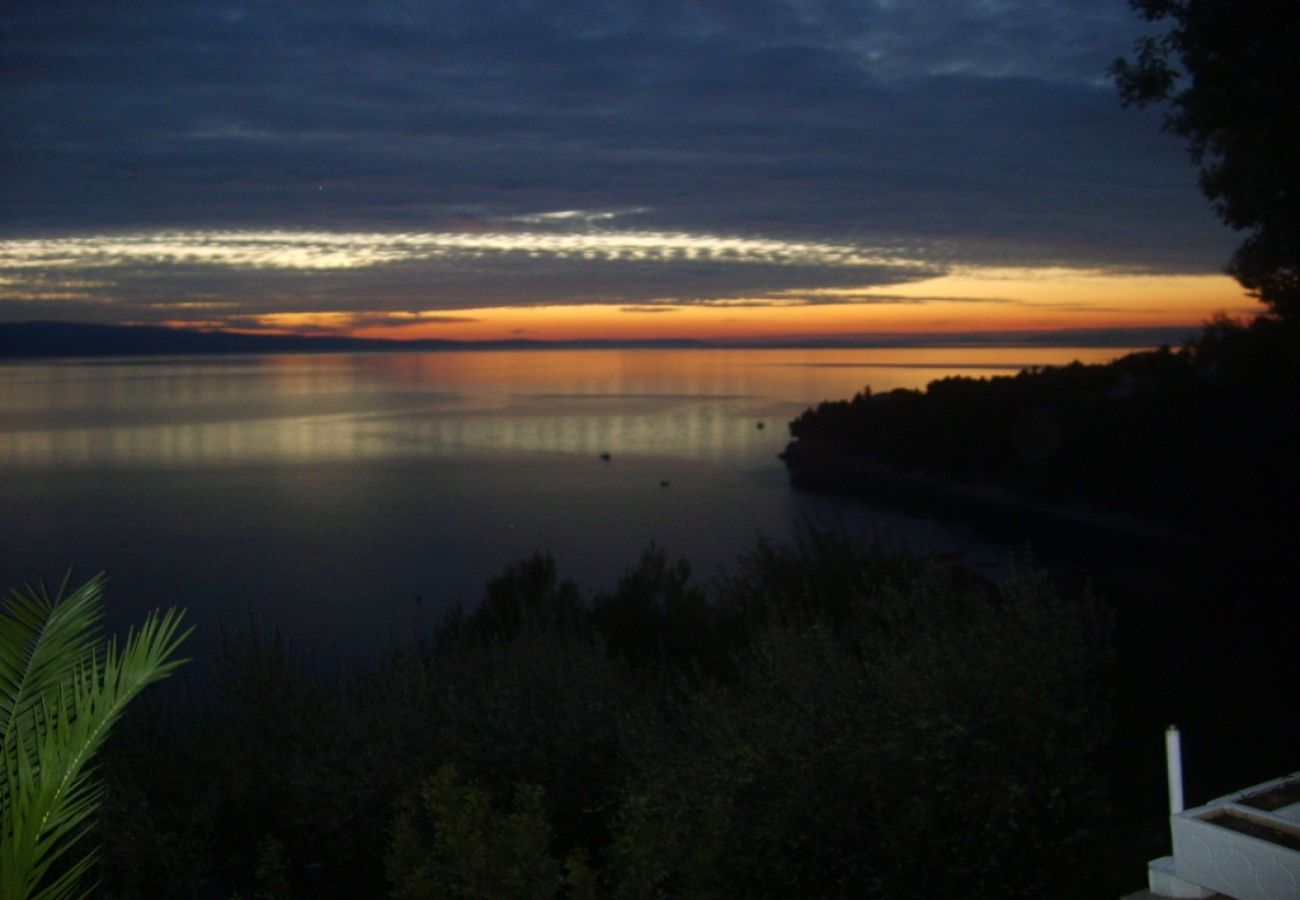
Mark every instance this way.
x=350 y=499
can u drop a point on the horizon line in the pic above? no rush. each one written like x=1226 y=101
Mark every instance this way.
x=46 y=339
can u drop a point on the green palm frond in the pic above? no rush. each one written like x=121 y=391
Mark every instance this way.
x=41 y=638
x=61 y=689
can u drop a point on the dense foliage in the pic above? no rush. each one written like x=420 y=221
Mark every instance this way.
x=817 y=724
x=1176 y=468
x=1205 y=437
x=1231 y=75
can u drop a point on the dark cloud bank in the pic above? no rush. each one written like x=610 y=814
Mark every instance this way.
x=950 y=131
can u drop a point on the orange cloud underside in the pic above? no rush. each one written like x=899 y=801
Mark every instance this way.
x=971 y=300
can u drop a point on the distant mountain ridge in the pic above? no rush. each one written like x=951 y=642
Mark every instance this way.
x=50 y=339
x=47 y=340
x=32 y=340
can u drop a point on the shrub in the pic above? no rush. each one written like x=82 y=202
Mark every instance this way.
x=942 y=723
x=451 y=840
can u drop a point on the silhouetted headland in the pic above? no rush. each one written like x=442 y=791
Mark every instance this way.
x=1200 y=443
x=1195 y=441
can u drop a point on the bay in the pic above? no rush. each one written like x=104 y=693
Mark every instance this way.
x=349 y=500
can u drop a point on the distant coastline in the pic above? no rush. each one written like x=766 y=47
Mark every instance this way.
x=51 y=340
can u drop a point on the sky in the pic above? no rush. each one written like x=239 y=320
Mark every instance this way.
x=553 y=170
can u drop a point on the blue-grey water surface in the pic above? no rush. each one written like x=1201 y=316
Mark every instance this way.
x=350 y=499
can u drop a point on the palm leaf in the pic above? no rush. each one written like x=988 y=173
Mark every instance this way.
x=63 y=689
x=40 y=639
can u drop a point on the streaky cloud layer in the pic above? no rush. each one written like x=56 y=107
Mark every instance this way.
x=347 y=164
x=568 y=280
x=319 y=250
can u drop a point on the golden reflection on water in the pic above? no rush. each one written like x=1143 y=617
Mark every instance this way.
x=703 y=404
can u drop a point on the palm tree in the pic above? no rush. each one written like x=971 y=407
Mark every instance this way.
x=62 y=686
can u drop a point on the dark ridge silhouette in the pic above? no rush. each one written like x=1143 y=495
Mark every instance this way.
x=52 y=339
x=1064 y=337
x=34 y=340
x=66 y=339
x=57 y=339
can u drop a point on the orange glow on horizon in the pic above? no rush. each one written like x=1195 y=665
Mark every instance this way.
x=966 y=300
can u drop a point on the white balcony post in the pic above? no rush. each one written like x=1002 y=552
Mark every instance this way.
x=1174 y=765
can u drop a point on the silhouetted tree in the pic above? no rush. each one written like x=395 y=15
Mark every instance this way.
x=527 y=596
x=1230 y=72
x=656 y=617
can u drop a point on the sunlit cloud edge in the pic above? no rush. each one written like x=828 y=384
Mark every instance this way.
x=325 y=251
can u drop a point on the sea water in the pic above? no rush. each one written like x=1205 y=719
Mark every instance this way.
x=350 y=500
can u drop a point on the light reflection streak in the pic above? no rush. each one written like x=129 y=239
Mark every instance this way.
x=712 y=431
x=701 y=405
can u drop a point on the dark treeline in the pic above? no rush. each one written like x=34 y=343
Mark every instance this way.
x=826 y=721
x=1184 y=465
x=1205 y=438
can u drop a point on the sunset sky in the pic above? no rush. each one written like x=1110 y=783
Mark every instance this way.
x=556 y=170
